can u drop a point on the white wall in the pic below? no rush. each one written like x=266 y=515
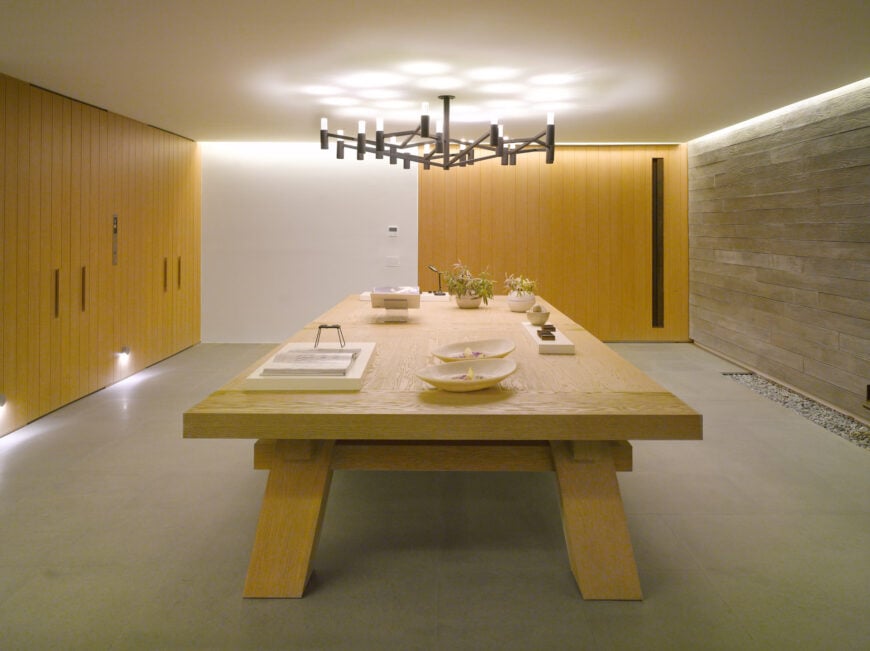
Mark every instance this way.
x=288 y=230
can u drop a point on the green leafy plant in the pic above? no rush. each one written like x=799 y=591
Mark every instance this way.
x=519 y=284
x=462 y=282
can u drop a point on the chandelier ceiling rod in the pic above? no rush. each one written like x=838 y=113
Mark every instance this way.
x=435 y=152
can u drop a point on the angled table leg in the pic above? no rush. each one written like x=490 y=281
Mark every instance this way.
x=596 y=531
x=290 y=519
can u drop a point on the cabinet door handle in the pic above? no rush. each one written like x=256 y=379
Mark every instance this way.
x=84 y=288
x=56 y=293
x=165 y=274
x=179 y=272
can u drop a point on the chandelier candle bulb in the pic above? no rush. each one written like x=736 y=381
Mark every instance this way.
x=493 y=133
x=551 y=138
x=361 y=141
x=424 y=120
x=379 y=138
x=324 y=134
x=339 y=146
x=392 y=150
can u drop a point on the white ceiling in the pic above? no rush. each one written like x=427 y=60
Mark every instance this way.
x=619 y=70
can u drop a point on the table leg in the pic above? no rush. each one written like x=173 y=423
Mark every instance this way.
x=290 y=519
x=593 y=517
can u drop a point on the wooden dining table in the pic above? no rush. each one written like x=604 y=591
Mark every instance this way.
x=571 y=414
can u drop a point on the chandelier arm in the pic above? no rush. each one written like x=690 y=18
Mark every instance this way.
x=530 y=139
x=392 y=134
x=341 y=136
x=411 y=145
x=523 y=146
x=478 y=159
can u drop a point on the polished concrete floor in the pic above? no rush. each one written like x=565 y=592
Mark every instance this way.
x=116 y=533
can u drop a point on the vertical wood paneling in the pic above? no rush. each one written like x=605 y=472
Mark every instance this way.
x=104 y=352
x=73 y=264
x=194 y=245
x=676 y=237
x=100 y=252
x=29 y=253
x=149 y=350
x=8 y=233
x=46 y=246
x=67 y=168
x=86 y=248
x=580 y=227
x=118 y=193
x=64 y=146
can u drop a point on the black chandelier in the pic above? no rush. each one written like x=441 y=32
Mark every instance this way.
x=440 y=150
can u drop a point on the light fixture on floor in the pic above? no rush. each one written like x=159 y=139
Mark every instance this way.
x=421 y=146
x=125 y=353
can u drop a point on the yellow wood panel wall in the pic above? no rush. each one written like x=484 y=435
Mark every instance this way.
x=65 y=309
x=581 y=227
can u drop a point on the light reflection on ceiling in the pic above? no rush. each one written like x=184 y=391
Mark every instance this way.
x=621 y=71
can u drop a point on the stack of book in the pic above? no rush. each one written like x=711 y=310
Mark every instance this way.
x=298 y=366
x=315 y=361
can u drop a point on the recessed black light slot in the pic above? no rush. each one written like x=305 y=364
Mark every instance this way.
x=658 y=242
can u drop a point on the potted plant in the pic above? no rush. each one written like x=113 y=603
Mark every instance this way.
x=521 y=292
x=468 y=289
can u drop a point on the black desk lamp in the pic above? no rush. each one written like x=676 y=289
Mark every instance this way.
x=440 y=292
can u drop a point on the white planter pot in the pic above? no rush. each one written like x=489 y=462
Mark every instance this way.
x=468 y=302
x=520 y=302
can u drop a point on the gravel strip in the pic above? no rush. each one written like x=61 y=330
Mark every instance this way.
x=831 y=419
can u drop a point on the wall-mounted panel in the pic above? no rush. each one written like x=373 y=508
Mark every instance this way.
x=72 y=291
x=582 y=227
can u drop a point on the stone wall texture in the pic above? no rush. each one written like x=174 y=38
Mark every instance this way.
x=779 y=247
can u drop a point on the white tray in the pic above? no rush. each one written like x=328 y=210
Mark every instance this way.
x=561 y=345
x=351 y=381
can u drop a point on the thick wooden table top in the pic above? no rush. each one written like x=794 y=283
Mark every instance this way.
x=592 y=395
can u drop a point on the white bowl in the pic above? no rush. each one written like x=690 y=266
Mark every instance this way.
x=455 y=376
x=480 y=349
x=537 y=318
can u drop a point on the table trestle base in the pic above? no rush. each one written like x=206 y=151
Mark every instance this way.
x=596 y=533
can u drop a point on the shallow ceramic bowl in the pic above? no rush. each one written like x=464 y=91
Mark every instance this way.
x=454 y=376
x=479 y=349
